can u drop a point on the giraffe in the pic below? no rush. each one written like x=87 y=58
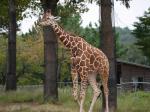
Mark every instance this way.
x=86 y=62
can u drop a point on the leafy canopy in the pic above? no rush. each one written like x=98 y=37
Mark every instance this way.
x=21 y=11
x=142 y=33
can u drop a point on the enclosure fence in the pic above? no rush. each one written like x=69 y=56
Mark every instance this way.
x=126 y=86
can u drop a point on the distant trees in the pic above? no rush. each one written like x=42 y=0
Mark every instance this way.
x=3 y=61
x=142 y=33
x=30 y=58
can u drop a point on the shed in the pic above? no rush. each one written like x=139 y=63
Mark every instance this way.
x=132 y=72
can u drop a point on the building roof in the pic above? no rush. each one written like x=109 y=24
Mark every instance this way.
x=134 y=64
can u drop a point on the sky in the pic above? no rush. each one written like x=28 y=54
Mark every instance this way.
x=123 y=17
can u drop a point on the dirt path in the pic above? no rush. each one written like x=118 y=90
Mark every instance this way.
x=32 y=107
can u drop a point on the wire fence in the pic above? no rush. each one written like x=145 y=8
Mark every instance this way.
x=126 y=86
x=134 y=86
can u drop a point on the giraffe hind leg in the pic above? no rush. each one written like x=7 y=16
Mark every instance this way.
x=106 y=97
x=104 y=78
x=96 y=90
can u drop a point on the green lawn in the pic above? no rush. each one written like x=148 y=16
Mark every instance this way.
x=32 y=101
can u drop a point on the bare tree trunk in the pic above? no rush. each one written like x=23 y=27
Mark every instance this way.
x=108 y=47
x=50 y=56
x=11 y=67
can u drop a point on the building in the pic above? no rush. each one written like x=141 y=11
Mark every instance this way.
x=127 y=73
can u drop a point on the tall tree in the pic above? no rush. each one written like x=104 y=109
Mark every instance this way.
x=11 y=67
x=21 y=6
x=50 y=55
x=142 y=33
x=108 y=47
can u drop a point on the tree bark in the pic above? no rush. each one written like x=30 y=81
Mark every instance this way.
x=11 y=65
x=108 y=47
x=50 y=56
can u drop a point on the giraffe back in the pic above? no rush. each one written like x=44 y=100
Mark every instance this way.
x=89 y=58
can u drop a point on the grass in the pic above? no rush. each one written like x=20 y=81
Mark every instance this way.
x=32 y=101
x=21 y=96
x=134 y=102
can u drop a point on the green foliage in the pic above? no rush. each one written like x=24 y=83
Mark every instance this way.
x=3 y=50
x=30 y=59
x=142 y=33
x=120 y=49
x=70 y=7
x=72 y=24
x=21 y=6
x=91 y=35
x=134 y=54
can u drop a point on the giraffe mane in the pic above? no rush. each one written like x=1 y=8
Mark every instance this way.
x=70 y=33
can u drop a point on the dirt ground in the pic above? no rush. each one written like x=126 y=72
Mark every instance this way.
x=33 y=107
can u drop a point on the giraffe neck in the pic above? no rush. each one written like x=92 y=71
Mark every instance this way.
x=64 y=37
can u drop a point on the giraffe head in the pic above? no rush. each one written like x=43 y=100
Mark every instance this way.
x=48 y=19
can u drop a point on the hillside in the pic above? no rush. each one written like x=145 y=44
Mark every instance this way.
x=126 y=37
